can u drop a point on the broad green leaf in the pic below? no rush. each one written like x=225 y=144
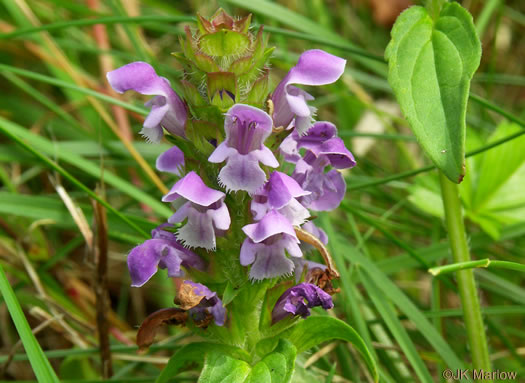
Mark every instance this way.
x=39 y=363
x=280 y=363
x=431 y=63
x=221 y=368
x=195 y=353
x=317 y=329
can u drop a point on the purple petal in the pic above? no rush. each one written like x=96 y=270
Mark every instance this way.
x=295 y=212
x=247 y=127
x=242 y=172
x=220 y=217
x=282 y=188
x=144 y=260
x=336 y=152
x=167 y=109
x=272 y=223
x=198 y=231
x=171 y=161
x=289 y=150
x=315 y=67
x=181 y=214
x=328 y=194
x=292 y=301
x=248 y=251
x=270 y=262
x=192 y=188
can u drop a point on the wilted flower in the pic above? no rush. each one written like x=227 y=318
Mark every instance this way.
x=280 y=193
x=167 y=109
x=317 y=232
x=266 y=246
x=200 y=301
x=298 y=300
x=163 y=251
x=204 y=208
x=315 y=67
x=246 y=130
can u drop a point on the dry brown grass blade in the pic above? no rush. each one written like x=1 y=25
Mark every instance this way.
x=100 y=259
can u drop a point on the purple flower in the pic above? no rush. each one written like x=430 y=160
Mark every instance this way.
x=246 y=130
x=327 y=189
x=266 y=244
x=171 y=161
x=200 y=300
x=322 y=140
x=163 y=251
x=204 y=208
x=280 y=193
x=167 y=109
x=298 y=300
x=315 y=67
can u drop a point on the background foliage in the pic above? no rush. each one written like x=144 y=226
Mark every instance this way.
x=66 y=140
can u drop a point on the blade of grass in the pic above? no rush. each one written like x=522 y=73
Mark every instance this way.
x=40 y=364
x=38 y=145
x=395 y=294
x=67 y=175
x=387 y=313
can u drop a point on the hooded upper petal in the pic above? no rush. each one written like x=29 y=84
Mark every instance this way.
x=243 y=149
x=315 y=67
x=171 y=161
x=192 y=188
x=167 y=109
x=272 y=223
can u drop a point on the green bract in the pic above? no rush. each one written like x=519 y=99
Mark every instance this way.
x=431 y=63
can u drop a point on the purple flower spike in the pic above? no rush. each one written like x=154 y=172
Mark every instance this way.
x=265 y=247
x=315 y=67
x=292 y=302
x=171 y=161
x=163 y=251
x=280 y=193
x=204 y=208
x=246 y=130
x=210 y=303
x=167 y=109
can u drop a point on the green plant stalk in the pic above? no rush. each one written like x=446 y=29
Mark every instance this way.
x=466 y=284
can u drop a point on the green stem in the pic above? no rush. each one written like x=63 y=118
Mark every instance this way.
x=466 y=284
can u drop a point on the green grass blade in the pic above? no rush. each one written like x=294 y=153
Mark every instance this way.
x=41 y=366
x=41 y=144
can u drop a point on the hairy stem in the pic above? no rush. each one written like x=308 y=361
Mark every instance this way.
x=466 y=284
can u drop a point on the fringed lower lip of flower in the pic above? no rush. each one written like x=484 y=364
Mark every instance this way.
x=280 y=193
x=201 y=303
x=266 y=246
x=204 y=208
x=167 y=109
x=243 y=149
x=163 y=251
x=315 y=67
x=298 y=300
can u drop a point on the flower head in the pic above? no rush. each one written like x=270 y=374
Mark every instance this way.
x=280 y=193
x=246 y=130
x=200 y=302
x=315 y=67
x=298 y=300
x=163 y=251
x=167 y=109
x=204 y=208
x=266 y=246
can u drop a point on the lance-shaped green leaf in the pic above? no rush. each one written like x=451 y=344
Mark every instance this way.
x=431 y=63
